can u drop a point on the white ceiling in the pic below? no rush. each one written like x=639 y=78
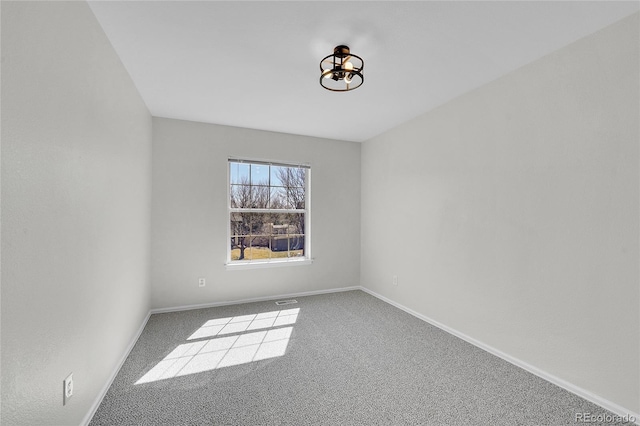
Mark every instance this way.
x=256 y=64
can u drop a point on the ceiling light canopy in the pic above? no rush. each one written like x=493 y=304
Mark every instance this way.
x=341 y=71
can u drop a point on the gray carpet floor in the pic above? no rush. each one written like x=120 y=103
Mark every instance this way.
x=335 y=359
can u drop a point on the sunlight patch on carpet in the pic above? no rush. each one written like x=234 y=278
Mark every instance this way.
x=210 y=354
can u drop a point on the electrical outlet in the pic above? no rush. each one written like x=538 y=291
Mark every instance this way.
x=395 y=280
x=201 y=282
x=67 y=389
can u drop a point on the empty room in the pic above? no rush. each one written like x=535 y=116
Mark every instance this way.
x=320 y=212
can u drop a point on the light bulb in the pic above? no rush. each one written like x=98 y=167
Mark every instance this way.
x=328 y=74
x=348 y=66
x=347 y=79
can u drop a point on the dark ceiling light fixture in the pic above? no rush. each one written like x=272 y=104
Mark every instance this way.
x=341 y=71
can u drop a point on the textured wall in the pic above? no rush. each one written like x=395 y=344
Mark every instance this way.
x=190 y=218
x=76 y=158
x=515 y=214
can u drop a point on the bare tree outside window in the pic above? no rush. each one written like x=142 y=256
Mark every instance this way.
x=244 y=224
x=293 y=181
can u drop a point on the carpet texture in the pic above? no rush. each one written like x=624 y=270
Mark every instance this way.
x=335 y=359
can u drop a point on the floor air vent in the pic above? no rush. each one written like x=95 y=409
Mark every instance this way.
x=286 y=302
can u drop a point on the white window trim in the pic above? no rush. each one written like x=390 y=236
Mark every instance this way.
x=258 y=264
x=237 y=265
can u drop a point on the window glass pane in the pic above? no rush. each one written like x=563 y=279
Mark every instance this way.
x=289 y=176
x=288 y=235
x=249 y=197
x=259 y=174
x=259 y=241
x=278 y=198
x=239 y=173
x=295 y=197
x=248 y=241
x=260 y=197
x=240 y=235
x=240 y=196
x=276 y=173
x=299 y=178
x=293 y=221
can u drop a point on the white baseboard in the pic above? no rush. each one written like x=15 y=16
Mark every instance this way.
x=253 y=299
x=583 y=393
x=114 y=373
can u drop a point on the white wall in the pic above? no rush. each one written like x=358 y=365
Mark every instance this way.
x=76 y=196
x=190 y=218
x=512 y=214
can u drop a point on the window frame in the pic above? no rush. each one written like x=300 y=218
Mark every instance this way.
x=272 y=262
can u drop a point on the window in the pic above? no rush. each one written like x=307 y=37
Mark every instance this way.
x=268 y=212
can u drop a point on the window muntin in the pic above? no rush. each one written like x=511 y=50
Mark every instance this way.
x=268 y=212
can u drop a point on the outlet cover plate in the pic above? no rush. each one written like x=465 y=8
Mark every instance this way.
x=67 y=390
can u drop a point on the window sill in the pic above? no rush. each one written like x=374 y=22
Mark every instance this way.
x=256 y=264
